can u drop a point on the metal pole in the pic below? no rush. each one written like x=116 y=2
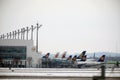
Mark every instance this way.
x=15 y=34
x=21 y=33
x=18 y=34
x=27 y=34
x=10 y=35
x=7 y=35
x=31 y=32
x=103 y=71
x=3 y=36
x=37 y=38
x=0 y=37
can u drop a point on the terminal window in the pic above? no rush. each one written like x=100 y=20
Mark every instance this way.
x=12 y=52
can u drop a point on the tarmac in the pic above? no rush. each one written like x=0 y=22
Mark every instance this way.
x=58 y=74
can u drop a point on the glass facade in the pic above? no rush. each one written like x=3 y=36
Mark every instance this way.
x=13 y=52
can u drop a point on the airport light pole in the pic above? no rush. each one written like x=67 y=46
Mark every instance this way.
x=37 y=36
x=21 y=33
x=18 y=34
x=27 y=34
x=10 y=35
x=7 y=35
x=15 y=34
x=31 y=32
x=0 y=37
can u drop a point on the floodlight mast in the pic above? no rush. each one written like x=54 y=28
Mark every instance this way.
x=20 y=34
x=31 y=32
x=38 y=26
x=10 y=35
x=27 y=33
x=7 y=35
x=15 y=34
x=23 y=33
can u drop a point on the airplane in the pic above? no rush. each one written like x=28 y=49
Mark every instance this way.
x=90 y=62
x=66 y=62
x=59 y=62
x=45 y=60
x=81 y=55
x=54 y=62
x=63 y=61
x=63 y=56
x=47 y=55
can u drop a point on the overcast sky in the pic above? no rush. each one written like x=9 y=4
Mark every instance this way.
x=68 y=25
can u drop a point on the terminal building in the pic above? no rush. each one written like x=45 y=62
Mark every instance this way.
x=19 y=52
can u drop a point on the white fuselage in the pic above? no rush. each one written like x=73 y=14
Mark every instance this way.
x=88 y=62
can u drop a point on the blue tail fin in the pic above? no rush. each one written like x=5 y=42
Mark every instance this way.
x=84 y=58
x=69 y=58
x=102 y=58
x=47 y=55
x=81 y=55
x=74 y=58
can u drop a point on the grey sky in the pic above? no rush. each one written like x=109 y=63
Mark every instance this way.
x=68 y=25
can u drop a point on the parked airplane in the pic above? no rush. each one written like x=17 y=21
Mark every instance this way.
x=45 y=60
x=81 y=55
x=90 y=62
x=57 y=56
x=59 y=61
x=54 y=62
x=66 y=62
x=79 y=61
x=47 y=55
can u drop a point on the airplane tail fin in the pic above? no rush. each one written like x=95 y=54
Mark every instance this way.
x=69 y=58
x=84 y=58
x=74 y=58
x=64 y=54
x=47 y=55
x=102 y=58
x=57 y=54
x=81 y=55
